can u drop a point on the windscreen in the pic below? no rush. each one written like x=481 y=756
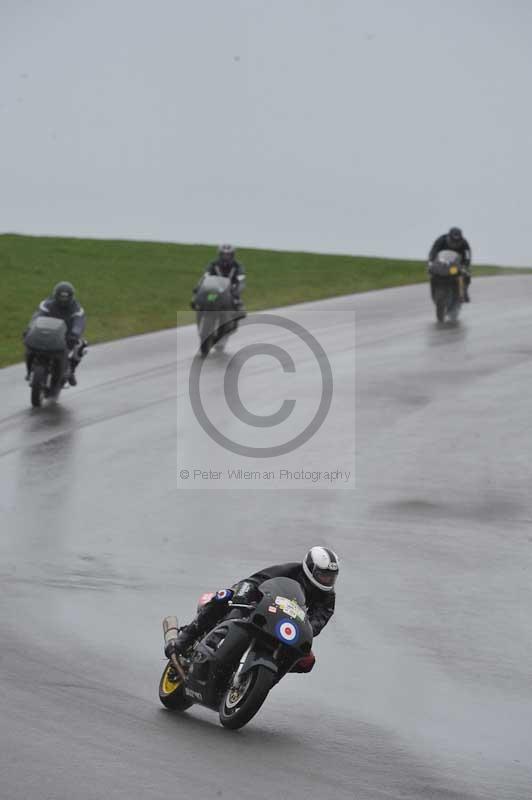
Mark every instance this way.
x=449 y=257
x=49 y=324
x=285 y=587
x=214 y=283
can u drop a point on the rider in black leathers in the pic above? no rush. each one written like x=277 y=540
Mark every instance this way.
x=62 y=304
x=454 y=240
x=316 y=575
x=226 y=266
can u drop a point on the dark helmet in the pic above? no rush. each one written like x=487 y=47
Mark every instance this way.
x=63 y=293
x=455 y=236
x=321 y=566
x=226 y=253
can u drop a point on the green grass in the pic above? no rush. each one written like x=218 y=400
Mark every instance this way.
x=133 y=287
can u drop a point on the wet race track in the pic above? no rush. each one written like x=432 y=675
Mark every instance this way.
x=423 y=684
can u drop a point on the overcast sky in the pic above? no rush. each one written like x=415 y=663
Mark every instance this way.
x=357 y=126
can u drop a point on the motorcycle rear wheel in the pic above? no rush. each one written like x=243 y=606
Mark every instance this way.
x=172 y=690
x=234 y=711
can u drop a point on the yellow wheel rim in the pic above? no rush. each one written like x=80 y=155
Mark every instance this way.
x=168 y=684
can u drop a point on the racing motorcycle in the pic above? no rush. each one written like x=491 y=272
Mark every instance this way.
x=234 y=666
x=45 y=340
x=216 y=314
x=447 y=285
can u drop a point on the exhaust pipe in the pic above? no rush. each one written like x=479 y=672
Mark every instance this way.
x=170 y=630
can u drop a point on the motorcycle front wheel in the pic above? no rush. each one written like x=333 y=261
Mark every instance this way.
x=172 y=690
x=38 y=383
x=240 y=703
x=455 y=312
x=58 y=380
x=206 y=346
x=206 y=330
x=440 y=301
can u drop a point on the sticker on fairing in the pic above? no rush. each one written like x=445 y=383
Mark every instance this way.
x=272 y=609
x=287 y=631
x=223 y=594
x=291 y=608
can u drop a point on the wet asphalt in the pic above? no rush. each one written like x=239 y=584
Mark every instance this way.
x=423 y=684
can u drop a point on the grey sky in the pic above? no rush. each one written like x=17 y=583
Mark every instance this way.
x=367 y=126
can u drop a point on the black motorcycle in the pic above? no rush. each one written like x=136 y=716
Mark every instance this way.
x=234 y=666
x=45 y=341
x=216 y=313
x=446 y=278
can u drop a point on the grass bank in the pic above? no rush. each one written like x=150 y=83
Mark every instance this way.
x=134 y=287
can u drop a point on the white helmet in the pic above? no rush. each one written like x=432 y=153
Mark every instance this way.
x=321 y=566
x=226 y=253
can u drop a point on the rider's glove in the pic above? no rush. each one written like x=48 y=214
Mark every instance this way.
x=72 y=341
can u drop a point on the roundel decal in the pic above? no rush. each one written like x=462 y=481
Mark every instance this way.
x=224 y=594
x=287 y=631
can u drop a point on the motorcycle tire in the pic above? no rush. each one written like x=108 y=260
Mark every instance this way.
x=440 y=301
x=235 y=715
x=454 y=312
x=38 y=383
x=171 y=690
x=57 y=382
x=205 y=346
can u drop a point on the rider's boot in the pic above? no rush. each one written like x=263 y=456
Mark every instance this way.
x=73 y=381
x=186 y=636
x=73 y=364
x=207 y=617
x=29 y=360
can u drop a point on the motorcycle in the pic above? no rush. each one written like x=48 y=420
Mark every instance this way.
x=235 y=665
x=45 y=341
x=216 y=314
x=447 y=285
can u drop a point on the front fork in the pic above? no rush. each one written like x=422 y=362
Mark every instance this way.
x=177 y=666
x=236 y=678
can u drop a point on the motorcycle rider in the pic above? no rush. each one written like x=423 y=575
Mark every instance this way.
x=225 y=265
x=316 y=574
x=62 y=304
x=454 y=240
